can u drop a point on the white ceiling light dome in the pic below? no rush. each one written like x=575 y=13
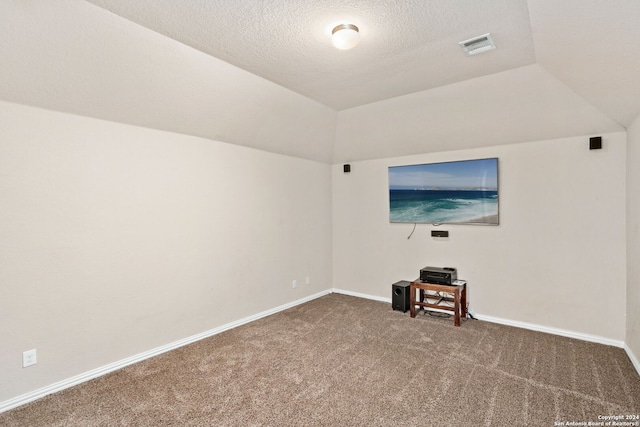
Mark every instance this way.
x=345 y=36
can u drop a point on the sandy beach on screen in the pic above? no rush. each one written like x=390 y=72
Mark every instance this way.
x=491 y=220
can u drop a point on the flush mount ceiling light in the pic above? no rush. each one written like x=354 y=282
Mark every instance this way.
x=345 y=36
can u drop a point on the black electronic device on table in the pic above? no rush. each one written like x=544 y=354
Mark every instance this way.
x=438 y=275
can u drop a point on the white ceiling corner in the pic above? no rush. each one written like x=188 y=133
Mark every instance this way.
x=521 y=105
x=592 y=47
x=209 y=68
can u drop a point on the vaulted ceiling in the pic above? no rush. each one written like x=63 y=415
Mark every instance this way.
x=406 y=46
x=264 y=73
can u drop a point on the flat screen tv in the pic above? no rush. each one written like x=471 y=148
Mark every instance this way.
x=461 y=192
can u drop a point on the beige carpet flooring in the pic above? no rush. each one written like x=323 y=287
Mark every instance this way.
x=345 y=361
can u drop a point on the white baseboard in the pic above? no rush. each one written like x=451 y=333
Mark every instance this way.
x=518 y=324
x=549 y=330
x=359 y=295
x=632 y=357
x=79 y=379
x=376 y=298
x=86 y=376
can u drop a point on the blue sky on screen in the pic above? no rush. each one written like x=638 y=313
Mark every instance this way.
x=463 y=174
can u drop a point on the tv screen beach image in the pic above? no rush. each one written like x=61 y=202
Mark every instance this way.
x=462 y=192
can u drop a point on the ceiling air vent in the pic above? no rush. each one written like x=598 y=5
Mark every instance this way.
x=478 y=44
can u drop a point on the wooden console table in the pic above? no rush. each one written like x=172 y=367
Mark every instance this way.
x=459 y=299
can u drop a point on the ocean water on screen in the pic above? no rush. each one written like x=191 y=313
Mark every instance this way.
x=442 y=206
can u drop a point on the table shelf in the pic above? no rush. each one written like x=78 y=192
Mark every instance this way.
x=443 y=294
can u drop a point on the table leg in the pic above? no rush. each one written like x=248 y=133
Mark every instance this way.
x=412 y=300
x=463 y=301
x=456 y=307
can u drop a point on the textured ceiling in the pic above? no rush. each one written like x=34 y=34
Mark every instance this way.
x=406 y=46
x=264 y=74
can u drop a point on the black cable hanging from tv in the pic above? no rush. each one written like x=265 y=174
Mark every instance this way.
x=414 y=229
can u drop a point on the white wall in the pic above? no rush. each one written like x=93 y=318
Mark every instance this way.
x=75 y=57
x=519 y=105
x=557 y=259
x=633 y=241
x=116 y=239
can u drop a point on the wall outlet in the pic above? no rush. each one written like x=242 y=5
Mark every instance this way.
x=295 y=284
x=307 y=280
x=29 y=358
